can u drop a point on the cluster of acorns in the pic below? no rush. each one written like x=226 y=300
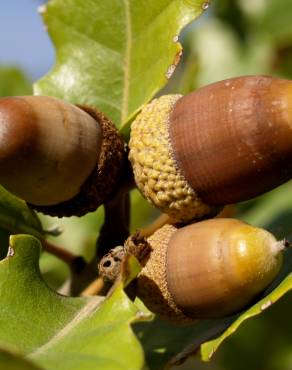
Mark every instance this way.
x=224 y=143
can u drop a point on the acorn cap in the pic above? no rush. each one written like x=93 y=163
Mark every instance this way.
x=155 y=169
x=52 y=154
x=152 y=281
x=224 y=143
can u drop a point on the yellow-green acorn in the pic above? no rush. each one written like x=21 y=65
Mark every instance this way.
x=224 y=143
x=209 y=269
x=58 y=156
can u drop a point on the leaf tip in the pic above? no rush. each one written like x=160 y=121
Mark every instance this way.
x=42 y=9
x=22 y=244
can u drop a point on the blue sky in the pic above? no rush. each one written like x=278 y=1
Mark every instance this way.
x=23 y=40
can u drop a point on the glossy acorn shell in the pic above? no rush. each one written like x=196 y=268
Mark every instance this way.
x=232 y=140
x=209 y=269
x=216 y=267
x=57 y=156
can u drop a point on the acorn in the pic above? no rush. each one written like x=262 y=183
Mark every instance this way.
x=224 y=143
x=57 y=156
x=207 y=270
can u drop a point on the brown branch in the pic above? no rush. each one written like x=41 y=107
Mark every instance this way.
x=115 y=229
x=76 y=263
x=160 y=221
x=93 y=288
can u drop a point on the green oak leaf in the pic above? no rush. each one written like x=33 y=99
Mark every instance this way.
x=142 y=212
x=271 y=211
x=13 y=82
x=13 y=361
x=167 y=344
x=16 y=217
x=275 y=20
x=115 y=54
x=61 y=333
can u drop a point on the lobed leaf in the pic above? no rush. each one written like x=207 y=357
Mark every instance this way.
x=58 y=332
x=17 y=217
x=114 y=55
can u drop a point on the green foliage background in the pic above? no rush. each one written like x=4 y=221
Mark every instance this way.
x=236 y=37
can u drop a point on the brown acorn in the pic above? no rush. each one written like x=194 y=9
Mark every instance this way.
x=209 y=269
x=58 y=156
x=224 y=143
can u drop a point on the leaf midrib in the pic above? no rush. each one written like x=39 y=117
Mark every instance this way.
x=86 y=310
x=127 y=59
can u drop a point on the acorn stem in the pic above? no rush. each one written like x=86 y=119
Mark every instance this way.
x=115 y=229
x=93 y=288
x=80 y=280
x=160 y=221
x=282 y=245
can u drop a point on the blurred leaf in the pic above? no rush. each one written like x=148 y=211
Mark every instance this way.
x=253 y=9
x=12 y=361
x=16 y=217
x=276 y=20
x=167 y=344
x=221 y=55
x=58 y=332
x=143 y=212
x=230 y=12
x=282 y=60
x=272 y=211
x=114 y=55
x=78 y=235
x=13 y=82
x=261 y=343
x=188 y=75
x=54 y=271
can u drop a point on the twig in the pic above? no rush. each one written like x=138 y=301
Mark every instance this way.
x=115 y=229
x=160 y=221
x=76 y=263
x=93 y=288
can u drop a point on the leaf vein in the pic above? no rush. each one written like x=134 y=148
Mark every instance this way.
x=127 y=60
x=88 y=309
